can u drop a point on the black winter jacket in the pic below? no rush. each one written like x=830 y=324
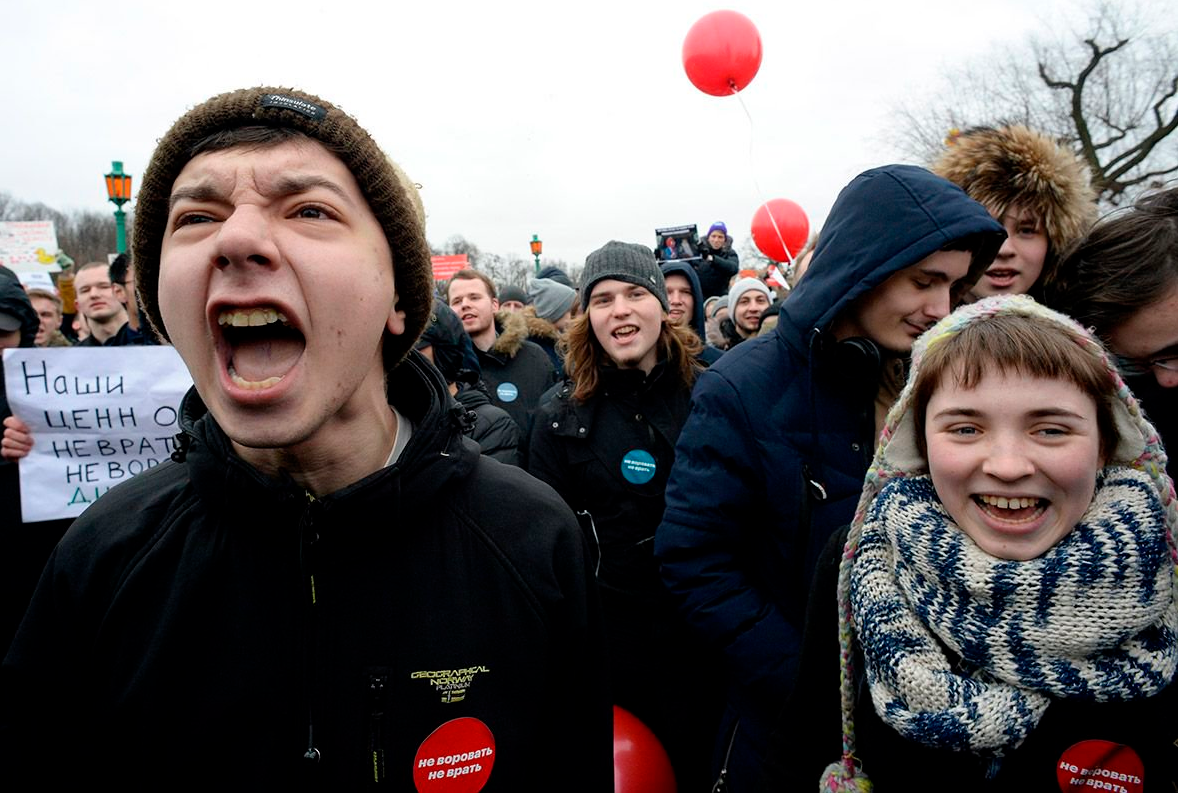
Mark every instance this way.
x=493 y=430
x=517 y=371
x=609 y=458
x=716 y=267
x=205 y=625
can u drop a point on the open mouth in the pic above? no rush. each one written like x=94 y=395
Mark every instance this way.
x=1011 y=509
x=625 y=332
x=262 y=347
x=1001 y=275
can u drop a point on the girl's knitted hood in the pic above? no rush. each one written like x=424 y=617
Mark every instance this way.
x=898 y=456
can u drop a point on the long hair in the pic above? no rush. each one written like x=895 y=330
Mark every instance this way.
x=584 y=356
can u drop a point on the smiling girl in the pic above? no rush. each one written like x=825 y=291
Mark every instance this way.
x=1007 y=610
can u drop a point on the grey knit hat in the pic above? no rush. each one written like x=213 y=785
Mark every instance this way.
x=623 y=261
x=551 y=299
x=744 y=285
x=391 y=196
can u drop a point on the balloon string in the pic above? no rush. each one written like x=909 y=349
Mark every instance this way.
x=753 y=174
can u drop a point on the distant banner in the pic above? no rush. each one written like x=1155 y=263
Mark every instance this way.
x=29 y=246
x=446 y=266
x=98 y=417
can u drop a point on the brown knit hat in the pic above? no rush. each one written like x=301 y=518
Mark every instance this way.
x=1014 y=164
x=390 y=194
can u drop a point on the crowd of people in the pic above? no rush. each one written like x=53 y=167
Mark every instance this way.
x=907 y=518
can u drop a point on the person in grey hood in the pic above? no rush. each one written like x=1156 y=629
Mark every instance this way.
x=781 y=431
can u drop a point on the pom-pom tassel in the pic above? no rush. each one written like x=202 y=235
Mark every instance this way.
x=844 y=777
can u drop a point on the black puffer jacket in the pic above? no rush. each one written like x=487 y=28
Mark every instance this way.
x=205 y=625
x=493 y=430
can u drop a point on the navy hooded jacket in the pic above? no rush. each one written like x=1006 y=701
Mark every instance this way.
x=772 y=458
x=709 y=354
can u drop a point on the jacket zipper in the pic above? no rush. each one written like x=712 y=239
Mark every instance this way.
x=308 y=536
x=376 y=690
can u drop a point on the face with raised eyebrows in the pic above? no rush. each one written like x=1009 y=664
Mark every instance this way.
x=276 y=285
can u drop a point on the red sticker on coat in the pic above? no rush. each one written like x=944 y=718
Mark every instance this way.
x=1100 y=765
x=455 y=758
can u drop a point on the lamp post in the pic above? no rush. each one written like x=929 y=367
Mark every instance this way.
x=118 y=192
x=537 y=249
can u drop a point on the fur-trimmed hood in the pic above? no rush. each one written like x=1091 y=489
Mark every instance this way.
x=511 y=331
x=538 y=328
x=1013 y=164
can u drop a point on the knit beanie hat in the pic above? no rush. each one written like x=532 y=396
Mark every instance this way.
x=1016 y=165
x=744 y=285
x=717 y=226
x=551 y=299
x=623 y=261
x=513 y=292
x=554 y=273
x=897 y=457
x=391 y=196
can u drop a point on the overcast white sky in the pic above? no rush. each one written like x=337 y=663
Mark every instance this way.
x=574 y=121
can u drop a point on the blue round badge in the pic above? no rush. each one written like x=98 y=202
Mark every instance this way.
x=638 y=466
x=507 y=392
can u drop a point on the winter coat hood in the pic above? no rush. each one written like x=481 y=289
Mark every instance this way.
x=697 y=313
x=511 y=332
x=15 y=301
x=886 y=219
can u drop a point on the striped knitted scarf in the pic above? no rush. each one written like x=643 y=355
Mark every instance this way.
x=1093 y=618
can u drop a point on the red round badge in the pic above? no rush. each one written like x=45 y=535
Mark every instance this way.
x=456 y=758
x=1100 y=765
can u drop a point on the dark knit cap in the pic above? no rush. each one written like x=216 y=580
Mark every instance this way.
x=554 y=273
x=513 y=292
x=391 y=196
x=623 y=261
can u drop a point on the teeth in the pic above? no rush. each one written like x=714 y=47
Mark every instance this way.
x=253 y=385
x=1002 y=502
x=252 y=317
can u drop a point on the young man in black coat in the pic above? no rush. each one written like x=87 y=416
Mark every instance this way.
x=328 y=585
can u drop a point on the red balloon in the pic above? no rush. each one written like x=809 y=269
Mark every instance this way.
x=641 y=764
x=722 y=53
x=791 y=222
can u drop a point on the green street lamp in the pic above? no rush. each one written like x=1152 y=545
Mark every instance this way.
x=118 y=192
x=537 y=249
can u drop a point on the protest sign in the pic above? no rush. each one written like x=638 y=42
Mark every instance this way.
x=28 y=246
x=98 y=417
x=445 y=266
x=676 y=243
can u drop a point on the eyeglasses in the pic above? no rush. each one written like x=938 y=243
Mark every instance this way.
x=1135 y=367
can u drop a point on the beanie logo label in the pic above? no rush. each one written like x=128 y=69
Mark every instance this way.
x=301 y=106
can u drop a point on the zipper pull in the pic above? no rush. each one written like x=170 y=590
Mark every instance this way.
x=376 y=690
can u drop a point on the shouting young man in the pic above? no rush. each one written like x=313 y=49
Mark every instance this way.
x=328 y=586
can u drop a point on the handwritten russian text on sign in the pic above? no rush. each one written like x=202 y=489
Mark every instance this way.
x=98 y=417
x=28 y=246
